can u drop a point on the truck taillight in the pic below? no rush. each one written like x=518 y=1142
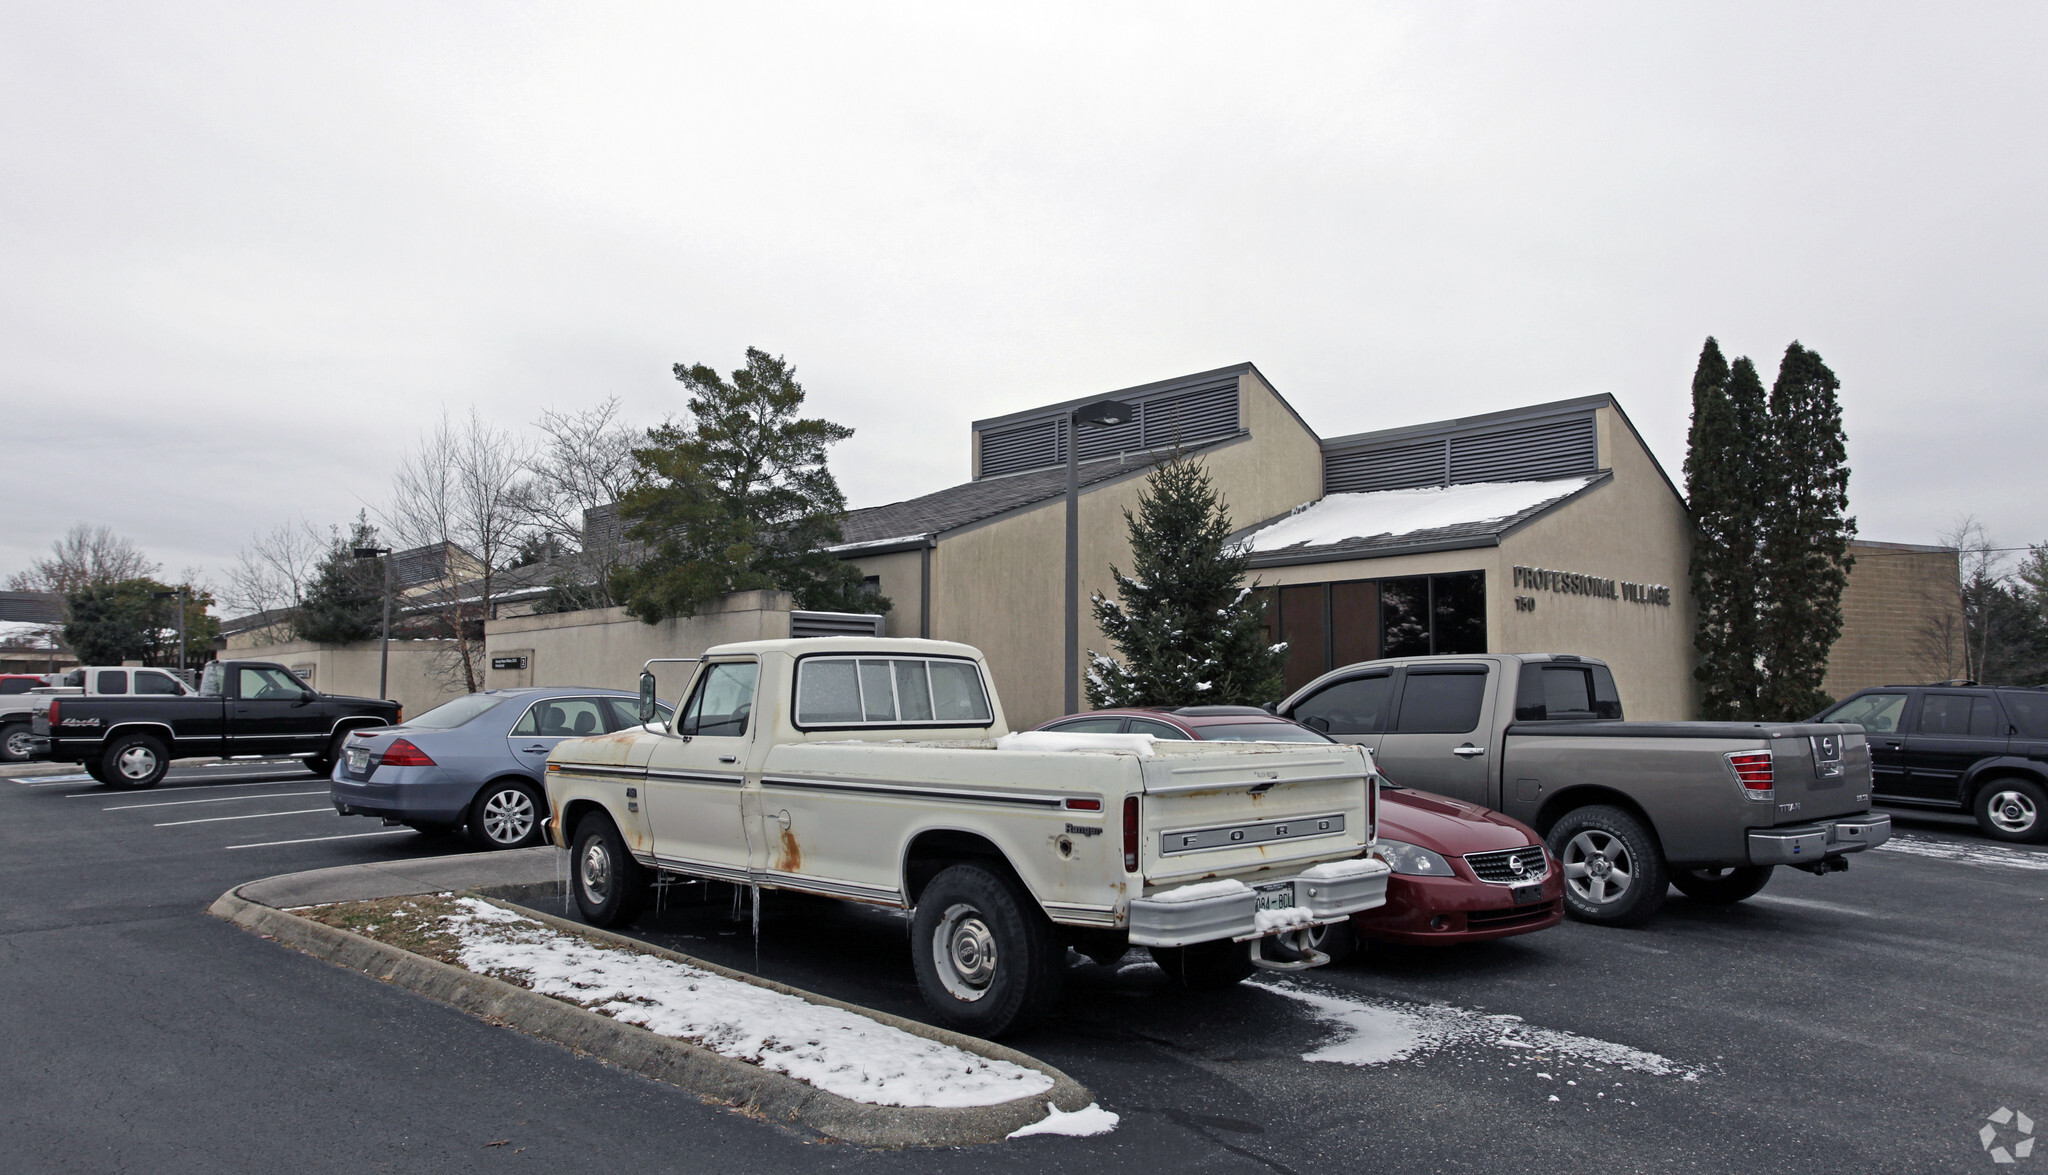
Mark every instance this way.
x=53 y=712
x=1372 y=806
x=1130 y=834
x=1753 y=771
x=403 y=754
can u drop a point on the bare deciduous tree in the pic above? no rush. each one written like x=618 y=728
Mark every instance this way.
x=585 y=461
x=86 y=555
x=272 y=573
x=457 y=493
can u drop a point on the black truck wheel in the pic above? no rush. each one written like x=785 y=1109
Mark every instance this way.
x=133 y=762
x=2012 y=810
x=610 y=887
x=987 y=959
x=1723 y=887
x=1614 y=872
x=1206 y=966
x=16 y=742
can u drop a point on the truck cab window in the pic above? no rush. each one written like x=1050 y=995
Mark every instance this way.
x=722 y=702
x=849 y=691
x=110 y=681
x=1356 y=706
x=1441 y=703
x=262 y=683
x=157 y=683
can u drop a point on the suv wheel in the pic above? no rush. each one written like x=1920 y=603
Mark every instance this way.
x=1613 y=870
x=134 y=762
x=987 y=960
x=2012 y=810
x=1723 y=886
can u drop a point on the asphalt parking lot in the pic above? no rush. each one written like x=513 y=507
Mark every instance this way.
x=1862 y=1022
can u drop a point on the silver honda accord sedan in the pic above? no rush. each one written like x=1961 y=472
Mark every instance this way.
x=478 y=761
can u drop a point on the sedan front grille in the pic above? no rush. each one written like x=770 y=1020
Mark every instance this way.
x=1498 y=866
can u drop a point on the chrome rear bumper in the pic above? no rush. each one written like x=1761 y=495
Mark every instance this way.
x=1799 y=844
x=1155 y=923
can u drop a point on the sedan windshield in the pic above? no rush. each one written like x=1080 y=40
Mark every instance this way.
x=1260 y=732
x=449 y=715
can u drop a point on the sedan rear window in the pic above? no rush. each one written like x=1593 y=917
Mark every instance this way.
x=1260 y=732
x=449 y=715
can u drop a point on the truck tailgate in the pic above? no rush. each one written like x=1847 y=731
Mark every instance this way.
x=1819 y=770
x=1266 y=808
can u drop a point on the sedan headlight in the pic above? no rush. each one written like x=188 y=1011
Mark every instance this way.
x=1413 y=860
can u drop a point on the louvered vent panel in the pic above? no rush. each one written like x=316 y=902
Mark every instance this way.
x=1396 y=467
x=1030 y=445
x=1190 y=418
x=808 y=624
x=1097 y=441
x=1555 y=448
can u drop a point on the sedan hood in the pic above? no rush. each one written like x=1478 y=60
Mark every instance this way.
x=1448 y=826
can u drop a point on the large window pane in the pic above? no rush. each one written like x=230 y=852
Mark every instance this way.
x=1945 y=714
x=1404 y=617
x=957 y=695
x=1354 y=622
x=1357 y=706
x=1303 y=627
x=724 y=701
x=1441 y=703
x=827 y=692
x=114 y=681
x=2029 y=711
x=1459 y=605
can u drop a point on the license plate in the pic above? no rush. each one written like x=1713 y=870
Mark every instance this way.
x=358 y=759
x=1526 y=895
x=1276 y=897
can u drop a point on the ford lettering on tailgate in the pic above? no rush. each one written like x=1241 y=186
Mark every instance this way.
x=1231 y=836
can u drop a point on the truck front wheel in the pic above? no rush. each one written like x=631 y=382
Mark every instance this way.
x=134 y=762
x=1723 y=887
x=986 y=958
x=17 y=742
x=1614 y=873
x=609 y=885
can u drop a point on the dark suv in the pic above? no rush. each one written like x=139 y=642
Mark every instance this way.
x=1959 y=746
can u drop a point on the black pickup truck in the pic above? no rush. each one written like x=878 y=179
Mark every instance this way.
x=242 y=708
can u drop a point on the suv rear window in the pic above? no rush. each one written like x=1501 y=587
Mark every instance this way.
x=1440 y=702
x=2029 y=712
x=1958 y=716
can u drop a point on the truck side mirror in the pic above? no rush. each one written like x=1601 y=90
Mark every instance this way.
x=647 y=699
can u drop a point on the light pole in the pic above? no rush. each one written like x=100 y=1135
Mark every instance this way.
x=179 y=592
x=1102 y=412
x=384 y=653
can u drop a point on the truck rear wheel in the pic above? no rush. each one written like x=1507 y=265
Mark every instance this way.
x=610 y=887
x=1614 y=872
x=1206 y=966
x=16 y=742
x=134 y=762
x=1723 y=887
x=987 y=959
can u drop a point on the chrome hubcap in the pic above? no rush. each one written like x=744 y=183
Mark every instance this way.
x=2013 y=811
x=595 y=872
x=18 y=743
x=508 y=816
x=964 y=949
x=1597 y=866
x=136 y=763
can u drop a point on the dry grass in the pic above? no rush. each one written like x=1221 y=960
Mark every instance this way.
x=411 y=924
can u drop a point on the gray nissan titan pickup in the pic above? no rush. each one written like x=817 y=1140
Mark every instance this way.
x=1628 y=808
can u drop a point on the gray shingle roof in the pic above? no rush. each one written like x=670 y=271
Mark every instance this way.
x=975 y=501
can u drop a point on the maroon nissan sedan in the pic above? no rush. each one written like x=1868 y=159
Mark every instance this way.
x=1462 y=873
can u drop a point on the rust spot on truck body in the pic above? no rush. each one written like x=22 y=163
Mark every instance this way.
x=789 y=856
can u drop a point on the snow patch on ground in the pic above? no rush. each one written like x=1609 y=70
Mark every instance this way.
x=1082 y=1123
x=1338 y=517
x=1376 y=1032
x=833 y=1049
x=1996 y=856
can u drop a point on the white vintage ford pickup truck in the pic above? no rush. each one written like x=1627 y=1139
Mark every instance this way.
x=879 y=770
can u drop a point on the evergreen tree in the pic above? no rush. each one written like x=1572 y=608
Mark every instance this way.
x=345 y=601
x=738 y=497
x=123 y=620
x=1189 y=631
x=1804 y=563
x=1723 y=482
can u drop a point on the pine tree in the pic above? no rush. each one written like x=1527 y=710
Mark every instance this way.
x=736 y=498
x=345 y=601
x=1189 y=631
x=1723 y=468
x=1805 y=559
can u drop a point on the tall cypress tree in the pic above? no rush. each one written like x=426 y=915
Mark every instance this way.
x=1805 y=549
x=1189 y=630
x=1723 y=471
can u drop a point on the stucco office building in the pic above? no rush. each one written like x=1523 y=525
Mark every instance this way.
x=1549 y=528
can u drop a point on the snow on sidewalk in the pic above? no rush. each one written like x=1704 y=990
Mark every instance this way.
x=834 y=1049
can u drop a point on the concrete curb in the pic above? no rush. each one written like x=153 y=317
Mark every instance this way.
x=774 y=1096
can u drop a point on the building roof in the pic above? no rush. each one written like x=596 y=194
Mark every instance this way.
x=1387 y=522
x=971 y=502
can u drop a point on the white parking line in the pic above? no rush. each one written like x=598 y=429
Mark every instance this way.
x=251 y=816
x=214 y=800
x=311 y=839
x=52 y=780
x=103 y=794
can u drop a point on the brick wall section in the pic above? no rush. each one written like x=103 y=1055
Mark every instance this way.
x=1901 y=603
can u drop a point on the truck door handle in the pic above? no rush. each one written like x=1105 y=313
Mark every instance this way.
x=728 y=758
x=1467 y=751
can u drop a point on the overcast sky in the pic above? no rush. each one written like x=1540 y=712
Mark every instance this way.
x=247 y=252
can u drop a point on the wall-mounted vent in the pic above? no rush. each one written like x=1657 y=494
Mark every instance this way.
x=1528 y=452
x=836 y=624
x=1179 y=416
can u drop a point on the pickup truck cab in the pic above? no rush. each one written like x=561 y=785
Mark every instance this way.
x=127 y=738
x=882 y=771
x=1628 y=808
x=18 y=711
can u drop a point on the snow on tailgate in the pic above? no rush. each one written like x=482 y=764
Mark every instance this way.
x=834 y=1049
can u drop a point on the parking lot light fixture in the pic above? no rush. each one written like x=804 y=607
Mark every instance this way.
x=1106 y=414
x=179 y=594
x=384 y=651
